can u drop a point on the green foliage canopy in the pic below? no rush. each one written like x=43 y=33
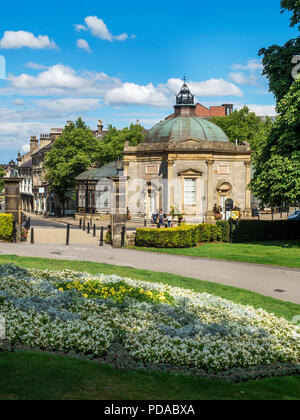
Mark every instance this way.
x=244 y=126
x=2 y=174
x=112 y=145
x=278 y=66
x=294 y=7
x=72 y=153
x=277 y=176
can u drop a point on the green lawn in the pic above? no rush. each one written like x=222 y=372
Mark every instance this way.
x=40 y=376
x=33 y=376
x=282 y=253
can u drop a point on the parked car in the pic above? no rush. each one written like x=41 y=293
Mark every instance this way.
x=295 y=216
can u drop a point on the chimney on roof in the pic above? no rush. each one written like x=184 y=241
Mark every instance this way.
x=45 y=139
x=228 y=109
x=100 y=127
x=34 y=144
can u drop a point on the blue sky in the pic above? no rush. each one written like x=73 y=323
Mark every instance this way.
x=122 y=61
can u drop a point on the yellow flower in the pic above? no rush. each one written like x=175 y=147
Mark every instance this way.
x=61 y=289
x=85 y=296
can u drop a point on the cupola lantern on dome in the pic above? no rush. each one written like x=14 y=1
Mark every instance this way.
x=185 y=97
x=185 y=102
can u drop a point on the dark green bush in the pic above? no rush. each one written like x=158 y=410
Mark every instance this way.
x=179 y=237
x=6 y=227
x=224 y=226
x=266 y=230
x=209 y=233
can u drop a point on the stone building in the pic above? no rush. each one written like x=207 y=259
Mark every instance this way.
x=35 y=190
x=185 y=162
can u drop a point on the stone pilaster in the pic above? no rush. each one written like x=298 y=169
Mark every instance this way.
x=247 y=211
x=210 y=192
x=170 y=184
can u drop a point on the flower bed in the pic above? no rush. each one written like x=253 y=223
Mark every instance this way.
x=154 y=323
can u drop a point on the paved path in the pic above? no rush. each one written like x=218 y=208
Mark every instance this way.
x=262 y=279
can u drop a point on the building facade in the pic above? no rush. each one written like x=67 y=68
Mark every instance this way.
x=185 y=164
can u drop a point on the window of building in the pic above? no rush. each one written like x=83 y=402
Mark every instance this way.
x=81 y=196
x=190 y=191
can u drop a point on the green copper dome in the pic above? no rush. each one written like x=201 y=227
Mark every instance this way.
x=182 y=128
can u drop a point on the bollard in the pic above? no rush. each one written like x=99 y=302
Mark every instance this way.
x=80 y=224
x=88 y=228
x=84 y=225
x=68 y=235
x=102 y=236
x=145 y=223
x=94 y=231
x=32 y=236
x=14 y=232
x=123 y=236
x=231 y=230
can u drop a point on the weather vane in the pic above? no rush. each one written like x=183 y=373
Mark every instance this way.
x=184 y=78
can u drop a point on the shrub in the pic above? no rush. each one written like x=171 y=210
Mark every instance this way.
x=266 y=230
x=209 y=233
x=179 y=237
x=6 y=227
x=224 y=226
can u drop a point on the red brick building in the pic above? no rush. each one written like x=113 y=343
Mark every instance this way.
x=213 y=111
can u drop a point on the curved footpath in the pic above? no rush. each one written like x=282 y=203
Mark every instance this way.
x=263 y=279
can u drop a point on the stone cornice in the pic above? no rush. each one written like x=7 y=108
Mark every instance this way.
x=188 y=146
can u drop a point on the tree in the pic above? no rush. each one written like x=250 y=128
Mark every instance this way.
x=2 y=174
x=72 y=153
x=294 y=7
x=112 y=145
x=277 y=164
x=278 y=66
x=244 y=126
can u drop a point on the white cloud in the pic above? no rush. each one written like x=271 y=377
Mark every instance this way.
x=26 y=148
x=35 y=66
x=21 y=39
x=212 y=87
x=251 y=73
x=18 y=102
x=69 y=105
x=133 y=94
x=252 y=65
x=83 y=44
x=57 y=77
x=61 y=80
x=261 y=110
x=99 y=29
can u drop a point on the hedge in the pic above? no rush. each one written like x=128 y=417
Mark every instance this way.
x=6 y=227
x=266 y=230
x=179 y=237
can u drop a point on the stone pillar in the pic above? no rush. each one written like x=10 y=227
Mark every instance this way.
x=13 y=201
x=170 y=184
x=126 y=166
x=247 y=211
x=210 y=192
x=119 y=210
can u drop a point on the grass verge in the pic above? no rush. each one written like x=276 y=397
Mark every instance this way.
x=34 y=376
x=281 y=253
